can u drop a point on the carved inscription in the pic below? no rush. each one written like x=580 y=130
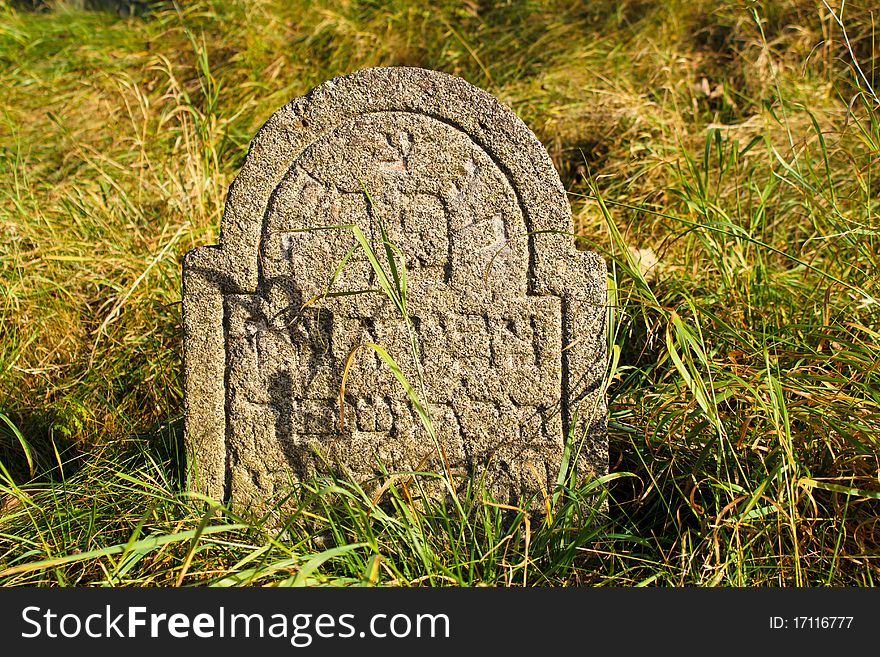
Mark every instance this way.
x=490 y=355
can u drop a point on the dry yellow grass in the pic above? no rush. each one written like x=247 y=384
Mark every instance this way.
x=736 y=141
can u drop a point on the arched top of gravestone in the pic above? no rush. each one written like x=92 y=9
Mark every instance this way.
x=449 y=99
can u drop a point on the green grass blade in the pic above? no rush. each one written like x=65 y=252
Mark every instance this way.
x=21 y=441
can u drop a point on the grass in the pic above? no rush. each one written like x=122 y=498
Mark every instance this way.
x=736 y=143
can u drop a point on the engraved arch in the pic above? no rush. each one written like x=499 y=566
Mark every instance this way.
x=471 y=202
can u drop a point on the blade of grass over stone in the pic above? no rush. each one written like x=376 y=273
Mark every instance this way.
x=329 y=293
x=411 y=394
x=336 y=272
x=392 y=290
x=395 y=289
x=340 y=294
x=345 y=370
x=565 y=462
x=398 y=276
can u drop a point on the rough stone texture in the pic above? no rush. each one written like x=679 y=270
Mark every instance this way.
x=507 y=315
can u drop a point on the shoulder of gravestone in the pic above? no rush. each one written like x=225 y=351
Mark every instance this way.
x=205 y=269
x=588 y=277
x=572 y=274
x=202 y=257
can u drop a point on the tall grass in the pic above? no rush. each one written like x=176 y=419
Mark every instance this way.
x=722 y=157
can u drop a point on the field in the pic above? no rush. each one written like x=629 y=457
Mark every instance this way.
x=720 y=155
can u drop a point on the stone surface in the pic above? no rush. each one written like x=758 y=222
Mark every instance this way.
x=507 y=318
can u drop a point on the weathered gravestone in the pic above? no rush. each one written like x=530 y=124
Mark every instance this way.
x=507 y=316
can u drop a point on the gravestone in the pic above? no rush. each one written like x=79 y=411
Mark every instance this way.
x=503 y=336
